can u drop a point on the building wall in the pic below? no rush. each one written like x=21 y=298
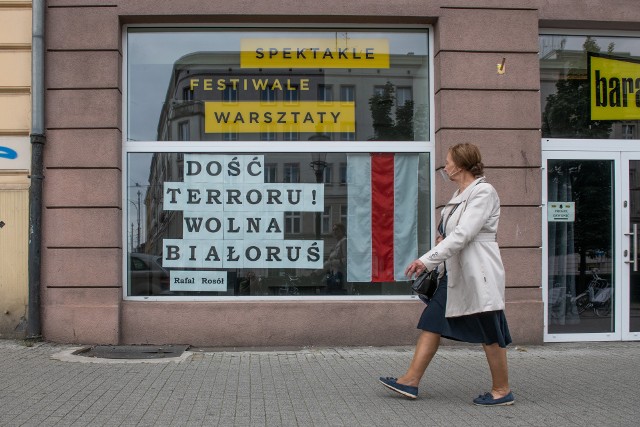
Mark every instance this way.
x=82 y=224
x=15 y=107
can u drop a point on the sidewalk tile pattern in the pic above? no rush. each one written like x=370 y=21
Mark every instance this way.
x=577 y=384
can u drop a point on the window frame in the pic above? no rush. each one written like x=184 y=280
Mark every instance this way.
x=244 y=146
x=543 y=31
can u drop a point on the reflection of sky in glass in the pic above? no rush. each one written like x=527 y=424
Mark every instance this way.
x=622 y=45
x=149 y=47
x=138 y=167
x=151 y=54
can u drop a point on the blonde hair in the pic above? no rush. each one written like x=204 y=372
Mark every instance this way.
x=467 y=156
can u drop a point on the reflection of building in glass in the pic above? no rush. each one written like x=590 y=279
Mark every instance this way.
x=561 y=72
x=161 y=224
x=278 y=167
x=220 y=78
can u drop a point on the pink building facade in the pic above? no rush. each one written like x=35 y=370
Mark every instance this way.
x=134 y=141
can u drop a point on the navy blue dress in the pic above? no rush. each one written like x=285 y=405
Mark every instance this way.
x=488 y=327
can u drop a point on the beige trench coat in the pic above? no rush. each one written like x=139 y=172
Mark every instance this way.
x=470 y=251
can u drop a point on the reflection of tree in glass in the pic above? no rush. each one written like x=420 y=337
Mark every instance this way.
x=384 y=127
x=567 y=113
x=591 y=190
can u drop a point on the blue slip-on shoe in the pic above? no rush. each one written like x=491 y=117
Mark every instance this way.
x=487 y=399
x=405 y=390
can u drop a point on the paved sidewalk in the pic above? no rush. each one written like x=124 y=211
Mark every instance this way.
x=586 y=384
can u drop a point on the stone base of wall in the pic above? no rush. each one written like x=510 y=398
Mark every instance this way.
x=296 y=323
x=13 y=327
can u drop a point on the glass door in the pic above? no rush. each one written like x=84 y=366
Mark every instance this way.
x=581 y=226
x=631 y=244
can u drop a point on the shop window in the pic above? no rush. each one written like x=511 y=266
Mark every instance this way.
x=204 y=223
x=585 y=92
x=250 y=190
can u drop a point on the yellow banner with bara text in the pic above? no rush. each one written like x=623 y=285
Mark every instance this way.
x=303 y=116
x=615 y=87
x=314 y=53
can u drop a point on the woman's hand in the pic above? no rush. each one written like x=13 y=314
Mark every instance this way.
x=416 y=267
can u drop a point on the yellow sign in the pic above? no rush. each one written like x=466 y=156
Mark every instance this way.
x=314 y=53
x=615 y=88
x=248 y=84
x=303 y=116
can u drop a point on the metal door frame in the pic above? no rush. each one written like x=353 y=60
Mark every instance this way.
x=627 y=335
x=587 y=150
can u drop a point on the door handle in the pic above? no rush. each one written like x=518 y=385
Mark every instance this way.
x=634 y=244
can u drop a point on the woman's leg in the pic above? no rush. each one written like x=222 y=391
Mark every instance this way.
x=497 y=358
x=426 y=347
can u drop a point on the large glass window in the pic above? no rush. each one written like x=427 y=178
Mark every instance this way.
x=196 y=69
x=243 y=204
x=589 y=86
x=581 y=246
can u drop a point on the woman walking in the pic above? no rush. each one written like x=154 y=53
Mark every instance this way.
x=469 y=302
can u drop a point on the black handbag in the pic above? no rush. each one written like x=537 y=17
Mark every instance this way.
x=426 y=283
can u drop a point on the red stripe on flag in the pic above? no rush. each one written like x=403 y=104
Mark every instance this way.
x=382 y=217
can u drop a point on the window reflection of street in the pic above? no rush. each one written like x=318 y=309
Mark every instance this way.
x=581 y=266
x=161 y=224
x=147 y=276
x=390 y=103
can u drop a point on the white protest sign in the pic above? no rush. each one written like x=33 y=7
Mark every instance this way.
x=277 y=197
x=233 y=219
x=210 y=281
x=232 y=225
x=200 y=253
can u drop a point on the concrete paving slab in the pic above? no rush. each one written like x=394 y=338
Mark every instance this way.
x=586 y=384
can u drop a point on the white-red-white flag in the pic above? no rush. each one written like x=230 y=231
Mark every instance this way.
x=382 y=216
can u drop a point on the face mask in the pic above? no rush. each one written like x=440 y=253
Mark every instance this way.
x=448 y=177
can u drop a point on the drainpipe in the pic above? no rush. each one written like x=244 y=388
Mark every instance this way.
x=38 y=139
